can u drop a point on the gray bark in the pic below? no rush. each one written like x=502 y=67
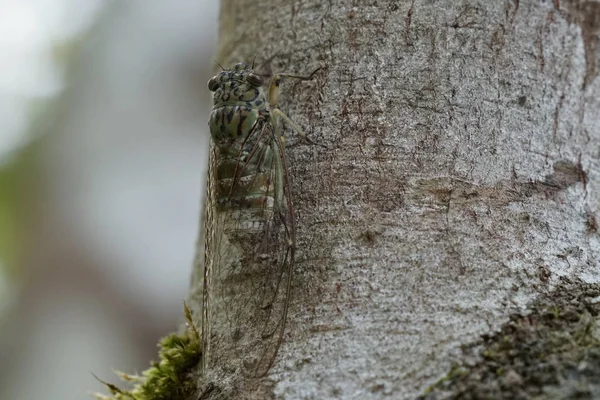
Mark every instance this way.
x=461 y=176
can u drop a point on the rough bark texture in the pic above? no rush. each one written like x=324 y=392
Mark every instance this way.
x=461 y=176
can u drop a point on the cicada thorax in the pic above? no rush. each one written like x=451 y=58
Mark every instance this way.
x=240 y=102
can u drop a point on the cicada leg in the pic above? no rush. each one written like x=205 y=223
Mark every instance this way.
x=276 y=113
x=276 y=81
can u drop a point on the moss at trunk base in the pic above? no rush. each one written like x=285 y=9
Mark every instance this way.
x=553 y=352
x=172 y=377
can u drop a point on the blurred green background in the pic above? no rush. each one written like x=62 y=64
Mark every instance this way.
x=103 y=134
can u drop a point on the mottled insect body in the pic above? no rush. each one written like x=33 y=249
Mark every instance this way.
x=249 y=228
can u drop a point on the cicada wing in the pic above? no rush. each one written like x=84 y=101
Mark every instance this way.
x=211 y=233
x=249 y=266
x=278 y=250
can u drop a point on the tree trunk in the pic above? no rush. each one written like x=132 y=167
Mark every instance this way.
x=460 y=177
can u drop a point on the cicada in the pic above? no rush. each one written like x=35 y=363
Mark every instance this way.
x=249 y=225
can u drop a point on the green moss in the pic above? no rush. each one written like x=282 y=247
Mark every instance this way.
x=171 y=377
x=552 y=352
x=455 y=371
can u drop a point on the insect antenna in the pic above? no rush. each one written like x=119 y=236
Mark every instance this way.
x=220 y=66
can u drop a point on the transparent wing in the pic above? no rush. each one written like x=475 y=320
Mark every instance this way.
x=250 y=256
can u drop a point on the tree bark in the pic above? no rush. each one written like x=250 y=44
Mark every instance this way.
x=460 y=177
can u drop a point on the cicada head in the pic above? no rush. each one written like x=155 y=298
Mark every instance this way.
x=239 y=85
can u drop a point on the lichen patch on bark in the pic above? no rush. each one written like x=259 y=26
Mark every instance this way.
x=550 y=352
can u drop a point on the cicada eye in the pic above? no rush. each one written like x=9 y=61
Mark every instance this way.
x=254 y=79
x=213 y=84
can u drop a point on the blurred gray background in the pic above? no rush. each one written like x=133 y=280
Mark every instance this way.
x=103 y=134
